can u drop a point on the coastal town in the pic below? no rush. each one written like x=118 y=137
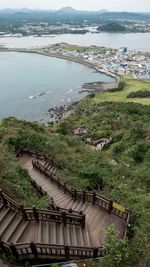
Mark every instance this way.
x=115 y=62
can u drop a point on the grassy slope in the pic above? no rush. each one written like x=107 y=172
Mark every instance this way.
x=127 y=183
x=132 y=85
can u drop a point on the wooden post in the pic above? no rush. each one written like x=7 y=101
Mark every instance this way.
x=94 y=198
x=75 y=195
x=41 y=191
x=58 y=183
x=3 y=247
x=72 y=192
x=64 y=217
x=65 y=188
x=67 y=252
x=2 y=197
x=52 y=202
x=23 y=212
x=36 y=215
x=14 y=251
x=95 y=252
x=70 y=210
x=84 y=196
x=83 y=221
x=33 y=249
x=110 y=206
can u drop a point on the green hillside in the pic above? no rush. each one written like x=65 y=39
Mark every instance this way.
x=120 y=171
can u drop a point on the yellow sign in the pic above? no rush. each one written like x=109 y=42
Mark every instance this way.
x=118 y=207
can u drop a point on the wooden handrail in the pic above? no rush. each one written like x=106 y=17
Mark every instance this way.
x=38 y=249
x=84 y=195
x=36 y=154
x=42 y=214
x=9 y=202
x=95 y=199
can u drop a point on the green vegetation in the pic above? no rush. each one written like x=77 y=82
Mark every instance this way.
x=120 y=87
x=132 y=85
x=112 y=27
x=139 y=94
x=118 y=251
x=126 y=182
x=13 y=179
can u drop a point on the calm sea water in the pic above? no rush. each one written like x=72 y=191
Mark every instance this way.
x=134 y=41
x=24 y=75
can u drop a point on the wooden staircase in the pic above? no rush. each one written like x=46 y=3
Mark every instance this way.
x=14 y=229
x=73 y=228
x=21 y=227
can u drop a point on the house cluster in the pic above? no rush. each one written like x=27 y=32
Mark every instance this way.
x=116 y=61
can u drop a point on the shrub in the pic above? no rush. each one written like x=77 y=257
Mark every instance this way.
x=120 y=87
x=139 y=94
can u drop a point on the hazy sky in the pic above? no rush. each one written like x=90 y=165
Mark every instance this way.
x=118 y=5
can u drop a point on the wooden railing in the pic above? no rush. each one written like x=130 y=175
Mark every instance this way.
x=84 y=196
x=37 y=250
x=37 y=155
x=29 y=214
x=39 y=189
x=9 y=202
x=127 y=222
x=56 y=216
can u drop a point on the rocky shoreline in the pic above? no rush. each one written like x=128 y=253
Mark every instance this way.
x=56 y=114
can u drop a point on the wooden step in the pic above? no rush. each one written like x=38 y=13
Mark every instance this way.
x=4 y=213
x=19 y=232
x=1 y=205
x=12 y=228
x=86 y=238
x=54 y=190
x=63 y=202
x=79 y=234
x=40 y=232
x=59 y=233
x=52 y=231
x=6 y=221
x=79 y=207
x=43 y=232
x=73 y=236
x=47 y=234
x=61 y=198
x=68 y=205
x=74 y=205
x=67 y=236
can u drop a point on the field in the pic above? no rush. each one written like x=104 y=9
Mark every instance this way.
x=132 y=85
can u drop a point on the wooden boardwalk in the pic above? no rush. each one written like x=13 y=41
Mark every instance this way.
x=74 y=228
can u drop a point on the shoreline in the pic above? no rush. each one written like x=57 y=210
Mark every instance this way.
x=95 y=87
x=60 y=56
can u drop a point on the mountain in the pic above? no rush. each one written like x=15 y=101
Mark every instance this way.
x=103 y=11
x=67 y=10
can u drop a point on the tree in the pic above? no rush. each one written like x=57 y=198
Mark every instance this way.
x=117 y=250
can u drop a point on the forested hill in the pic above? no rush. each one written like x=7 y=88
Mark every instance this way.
x=68 y=15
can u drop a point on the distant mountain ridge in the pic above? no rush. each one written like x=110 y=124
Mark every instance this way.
x=66 y=10
x=66 y=15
